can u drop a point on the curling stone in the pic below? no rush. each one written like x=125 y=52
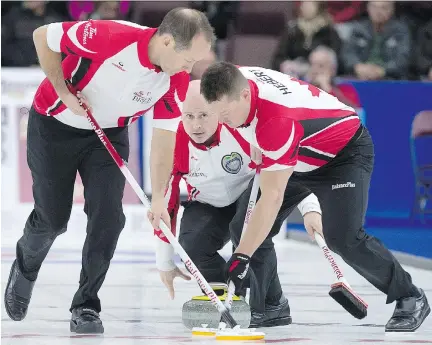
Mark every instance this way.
x=199 y=310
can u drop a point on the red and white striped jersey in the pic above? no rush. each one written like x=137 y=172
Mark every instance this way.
x=216 y=175
x=108 y=61
x=295 y=124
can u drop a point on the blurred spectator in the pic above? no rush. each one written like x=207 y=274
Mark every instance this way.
x=379 y=47
x=414 y=13
x=221 y=15
x=80 y=10
x=344 y=13
x=83 y=10
x=322 y=72
x=106 y=10
x=17 y=32
x=312 y=28
x=424 y=52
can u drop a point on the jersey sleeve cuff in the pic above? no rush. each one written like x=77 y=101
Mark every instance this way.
x=54 y=36
x=309 y=204
x=164 y=256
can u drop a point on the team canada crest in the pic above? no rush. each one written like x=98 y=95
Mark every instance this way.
x=232 y=163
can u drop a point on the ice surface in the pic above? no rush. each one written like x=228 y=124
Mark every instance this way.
x=137 y=309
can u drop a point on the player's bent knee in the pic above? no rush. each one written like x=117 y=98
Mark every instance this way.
x=198 y=257
x=187 y=244
x=104 y=245
x=105 y=228
x=106 y=208
x=193 y=247
x=59 y=228
x=56 y=222
x=343 y=242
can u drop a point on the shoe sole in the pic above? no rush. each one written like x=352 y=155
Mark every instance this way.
x=283 y=321
x=89 y=328
x=428 y=310
x=5 y=300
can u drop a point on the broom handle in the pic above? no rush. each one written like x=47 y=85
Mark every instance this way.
x=251 y=205
x=204 y=285
x=331 y=259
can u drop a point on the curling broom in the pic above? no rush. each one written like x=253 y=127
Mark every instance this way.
x=251 y=204
x=202 y=282
x=341 y=291
x=225 y=334
x=231 y=288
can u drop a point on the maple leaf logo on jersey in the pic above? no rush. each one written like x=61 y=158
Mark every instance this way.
x=313 y=89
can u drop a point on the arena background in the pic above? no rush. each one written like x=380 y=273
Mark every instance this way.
x=387 y=107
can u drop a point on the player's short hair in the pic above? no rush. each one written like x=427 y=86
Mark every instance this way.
x=222 y=79
x=184 y=24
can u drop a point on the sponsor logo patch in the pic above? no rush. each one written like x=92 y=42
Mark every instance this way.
x=232 y=163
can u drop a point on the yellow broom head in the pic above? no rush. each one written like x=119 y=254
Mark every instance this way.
x=232 y=334
x=238 y=333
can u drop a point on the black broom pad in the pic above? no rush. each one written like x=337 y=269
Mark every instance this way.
x=349 y=300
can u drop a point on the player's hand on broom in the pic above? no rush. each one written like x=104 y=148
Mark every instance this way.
x=236 y=270
x=168 y=277
x=73 y=102
x=313 y=223
x=159 y=213
x=256 y=155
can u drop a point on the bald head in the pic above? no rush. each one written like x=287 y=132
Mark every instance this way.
x=197 y=122
x=194 y=101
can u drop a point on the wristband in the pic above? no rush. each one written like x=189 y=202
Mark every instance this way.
x=164 y=256
x=309 y=204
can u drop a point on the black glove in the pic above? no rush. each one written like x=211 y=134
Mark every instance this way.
x=236 y=270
